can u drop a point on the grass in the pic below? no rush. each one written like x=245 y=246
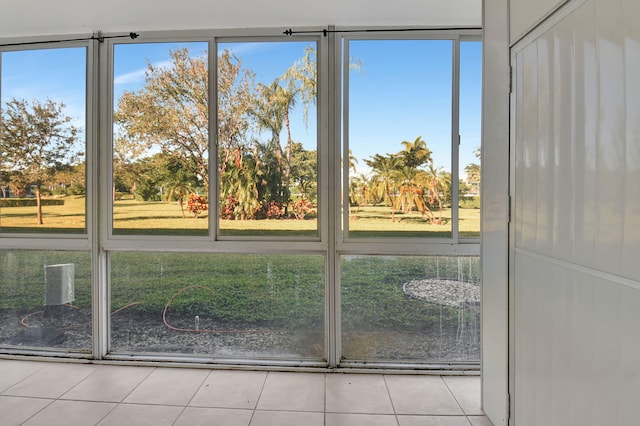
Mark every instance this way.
x=274 y=290
x=161 y=218
x=67 y=218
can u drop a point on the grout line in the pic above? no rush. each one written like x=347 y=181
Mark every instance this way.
x=51 y=401
x=255 y=408
x=455 y=399
x=386 y=386
x=116 y=405
x=44 y=365
x=184 y=407
x=324 y=422
x=138 y=385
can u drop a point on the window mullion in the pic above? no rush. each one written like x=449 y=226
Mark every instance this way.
x=455 y=140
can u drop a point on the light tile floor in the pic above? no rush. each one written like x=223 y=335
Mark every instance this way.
x=47 y=393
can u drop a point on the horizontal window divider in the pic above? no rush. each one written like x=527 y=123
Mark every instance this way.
x=209 y=362
x=51 y=242
x=68 y=356
x=461 y=368
x=255 y=247
x=409 y=249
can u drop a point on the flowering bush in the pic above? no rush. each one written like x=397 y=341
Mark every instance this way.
x=196 y=204
x=228 y=208
x=301 y=208
x=274 y=210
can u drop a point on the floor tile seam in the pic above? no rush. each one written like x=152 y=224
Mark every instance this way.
x=115 y=405
x=436 y=415
x=360 y=413
x=151 y=404
x=456 y=398
x=202 y=382
x=264 y=383
x=77 y=384
x=51 y=401
x=27 y=396
x=179 y=415
x=24 y=378
x=288 y=411
x=62 y=398
x=325 y=397
x=222 y=407
x=386 y=386
x=151 y=371
x=253 y=411
x=453 y=395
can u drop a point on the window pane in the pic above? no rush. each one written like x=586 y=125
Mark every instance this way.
x=43 y=140
x=470 y=129
x=161 y=140
x=399 y=141
x=422 y=309
x=45 y=300
x=232 y=305
x=267 y=143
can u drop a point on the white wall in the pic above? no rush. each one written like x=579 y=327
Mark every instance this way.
x=37 y=17
x=524 y=14
x=576 y=232
x=495 y=207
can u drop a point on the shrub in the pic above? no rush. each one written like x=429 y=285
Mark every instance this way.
x=29 y=202
x=469 y=202
x=196 y=204
x=274 y=210
x=301 y=208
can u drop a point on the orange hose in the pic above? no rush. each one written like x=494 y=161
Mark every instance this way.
x=193 y=330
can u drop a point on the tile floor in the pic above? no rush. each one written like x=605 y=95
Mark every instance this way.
x=45 y=393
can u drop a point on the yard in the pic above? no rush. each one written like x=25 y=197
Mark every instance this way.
x=240 y=305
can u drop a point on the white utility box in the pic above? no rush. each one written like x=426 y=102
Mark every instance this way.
x=59 y=284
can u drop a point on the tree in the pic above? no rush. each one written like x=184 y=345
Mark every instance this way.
x=37 y=139
x=302 y=78
x=473 y=176
x=385 y=172
x=171 y=110
x=304 y=170
x=416 y=153
x=178 y=181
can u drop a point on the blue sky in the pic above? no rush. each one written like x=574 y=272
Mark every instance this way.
x=401 y=90
x=56 y=74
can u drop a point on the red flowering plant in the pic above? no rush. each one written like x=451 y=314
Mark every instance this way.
x=274 y=210
x=301 y=208
x=196 y=204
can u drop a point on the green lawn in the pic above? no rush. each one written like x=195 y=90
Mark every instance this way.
x=161 y=218
x=278 y=290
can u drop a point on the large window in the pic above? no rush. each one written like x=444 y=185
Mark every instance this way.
x=222 y=305
x=160 y=138
x=399 y=138
x=243 y=197
x=411 y=132
x=45 y=300
x=410 y=186
x=267 y=138
x=43 y=130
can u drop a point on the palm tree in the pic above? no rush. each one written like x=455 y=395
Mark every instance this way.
x=179 y=190
x=240 y=184
x=272 y=112
x=438 y=185
x=385 y=173
x=410 y=190
x=416 y=153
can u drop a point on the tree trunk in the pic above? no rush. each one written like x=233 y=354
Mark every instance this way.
x=181 y=204
x=287 y=173
x=38 y=206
